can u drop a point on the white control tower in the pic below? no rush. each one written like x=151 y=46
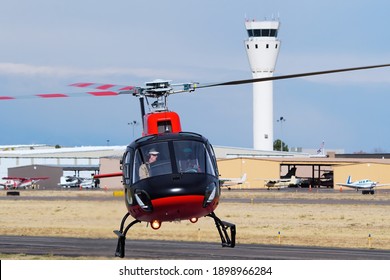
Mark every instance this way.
x=262 y=48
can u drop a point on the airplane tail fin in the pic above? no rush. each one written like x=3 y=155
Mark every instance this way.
x=293 y=180
x=349 y=180
x=290 y=173
x=243 y=179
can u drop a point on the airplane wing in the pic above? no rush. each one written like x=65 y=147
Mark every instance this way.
x=382 y=185
x=350 y=186
x=226 y=182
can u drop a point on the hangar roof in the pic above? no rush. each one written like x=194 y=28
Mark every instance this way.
x=286 y=158
x=71 y=152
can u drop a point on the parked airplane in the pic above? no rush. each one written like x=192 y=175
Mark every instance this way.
x=366 y=186
x=283 y=183
x=77 y=182
x=88 y=183
x=228 y=182
x=21 y=182
x=326 y=180
x=6 y=184
x=70 y=182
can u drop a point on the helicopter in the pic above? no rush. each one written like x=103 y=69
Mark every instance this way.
x=169 y=174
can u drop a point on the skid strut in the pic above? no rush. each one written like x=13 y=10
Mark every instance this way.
x=120 y=247
x=222 y=227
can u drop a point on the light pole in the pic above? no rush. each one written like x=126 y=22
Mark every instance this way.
x=281 y=120
x=133 y=124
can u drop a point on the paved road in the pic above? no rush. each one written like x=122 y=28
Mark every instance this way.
x=152 y=249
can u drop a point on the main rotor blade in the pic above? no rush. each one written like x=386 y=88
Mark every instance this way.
x=60 y=95
x=100 y=86
x=283 y=77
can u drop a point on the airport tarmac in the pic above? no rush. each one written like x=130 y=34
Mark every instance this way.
x=156 y=249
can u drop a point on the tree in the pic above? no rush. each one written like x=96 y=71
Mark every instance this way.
x=278 y=144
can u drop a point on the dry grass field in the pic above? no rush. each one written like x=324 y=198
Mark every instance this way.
x=330 y=222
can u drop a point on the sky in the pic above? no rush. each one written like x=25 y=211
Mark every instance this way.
x=47 y=45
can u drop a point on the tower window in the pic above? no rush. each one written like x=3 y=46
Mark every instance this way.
x=262 y=32
x=267 y=46
x=256 y=46
x=247 y=46
x=276 y=46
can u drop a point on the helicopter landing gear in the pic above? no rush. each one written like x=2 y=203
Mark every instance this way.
x=222 y=227
x=120 y=247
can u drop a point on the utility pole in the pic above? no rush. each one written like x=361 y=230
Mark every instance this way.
x=281 y=120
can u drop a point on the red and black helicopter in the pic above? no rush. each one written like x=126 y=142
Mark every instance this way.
x=168 y=174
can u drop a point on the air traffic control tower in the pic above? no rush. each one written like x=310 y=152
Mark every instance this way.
x=262 y=48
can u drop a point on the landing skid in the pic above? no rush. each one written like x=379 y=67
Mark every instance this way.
x=120 y=247
x=222 y=228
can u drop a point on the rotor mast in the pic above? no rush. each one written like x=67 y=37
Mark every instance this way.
x=159 y=119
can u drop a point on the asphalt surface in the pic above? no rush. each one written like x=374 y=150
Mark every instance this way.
x=153 y=249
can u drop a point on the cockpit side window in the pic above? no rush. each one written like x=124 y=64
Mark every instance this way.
x=138 y=160
x=127 y=167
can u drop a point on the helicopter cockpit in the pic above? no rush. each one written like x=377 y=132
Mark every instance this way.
x=165 y=154
x=176 y=156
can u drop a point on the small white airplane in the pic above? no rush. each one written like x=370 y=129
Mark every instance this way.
x=228 y=182
x=70 y=182
x=77 y=182
x=366 y=186
x=283 y=183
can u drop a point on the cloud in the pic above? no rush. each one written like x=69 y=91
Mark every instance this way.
x=28 y=70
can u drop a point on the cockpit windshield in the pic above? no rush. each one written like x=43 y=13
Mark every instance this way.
x=152 y=160
x=180 y=156
x=192 y=157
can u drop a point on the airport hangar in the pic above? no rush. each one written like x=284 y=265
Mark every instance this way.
x=232 y=163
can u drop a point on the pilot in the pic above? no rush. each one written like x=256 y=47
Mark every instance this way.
x=144 y=169
x=189 y=163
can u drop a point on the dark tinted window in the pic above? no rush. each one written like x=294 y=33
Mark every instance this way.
x=262 y=32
